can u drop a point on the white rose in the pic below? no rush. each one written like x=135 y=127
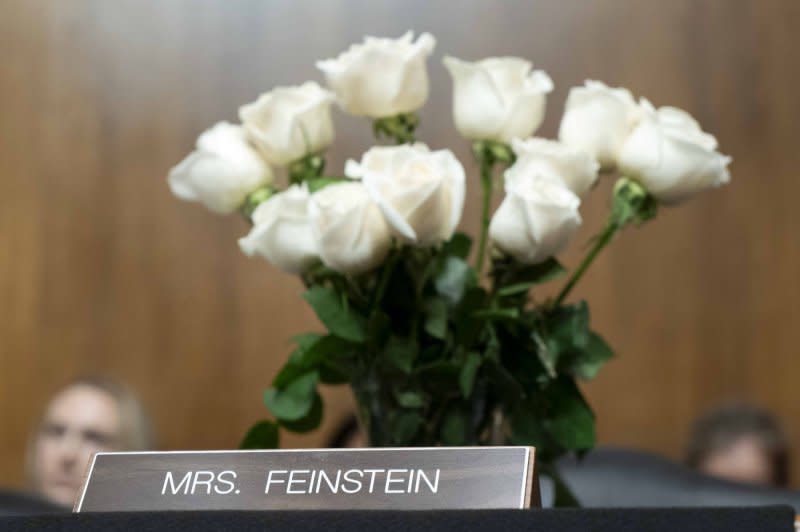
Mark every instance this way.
x=221 y=172
x=537 y=217
x=281 y=231
x=289 y=123
x=576 y=168
x=598 y=119
x=420 y=192
x=671 y=156
x=381 y=77
x=497 y=98
x=350 y=231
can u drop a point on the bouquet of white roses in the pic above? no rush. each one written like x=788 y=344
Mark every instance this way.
x=436 y=350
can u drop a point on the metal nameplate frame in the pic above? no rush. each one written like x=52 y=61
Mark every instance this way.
x=414 y=478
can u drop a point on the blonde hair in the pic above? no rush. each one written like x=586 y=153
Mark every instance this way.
x=136 y=432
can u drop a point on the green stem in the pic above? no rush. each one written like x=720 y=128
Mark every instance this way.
x=631 y=204
x=486 y=187
x=383 y=281
x=601 y=241
x=564 y=498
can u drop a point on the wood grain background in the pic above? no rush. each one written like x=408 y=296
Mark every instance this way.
x=102 y=270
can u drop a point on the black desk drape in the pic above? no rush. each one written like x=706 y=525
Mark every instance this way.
x=754 y=519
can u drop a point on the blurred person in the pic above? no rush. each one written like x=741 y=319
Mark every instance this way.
x=742 y=443
x=88 y=415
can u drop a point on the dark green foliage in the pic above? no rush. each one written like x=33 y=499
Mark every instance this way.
x=262 y=435
x=333 y=312
x=293 y=401
x=431 y=354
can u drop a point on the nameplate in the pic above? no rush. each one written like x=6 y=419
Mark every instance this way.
x=323 y=479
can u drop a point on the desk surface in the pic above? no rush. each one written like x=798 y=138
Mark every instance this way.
x=754 y=519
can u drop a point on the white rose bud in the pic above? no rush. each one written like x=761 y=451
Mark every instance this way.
x=420 y=192
x=497 y=98
x=598 y=119
x=289 y=123
x=350 y=231
x=221 y=171
x=671 y=156
x=281 y=231
x=538 y=215
x=381 y=77
x=576 y=168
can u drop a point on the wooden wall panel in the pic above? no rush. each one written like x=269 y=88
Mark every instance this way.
x=101 y=269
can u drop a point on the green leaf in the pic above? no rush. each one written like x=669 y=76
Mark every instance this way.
x=312 y=353
x=319 y=183
x=332 y=373
x=455 y=427
x=328 y=348
x=562 y=339
x=467 y=325
x=514 y=289
x=295 y=400
x=592 y=358
x=542 y=272
x=440 y=376
x=400 y=352
x=410 y=399
x=498 y=314
x=570 y=421
x=305 y=341
x=290 y=371
x=466 y=380
x=527 y=429
x=297 y=365
x=459 y=246
x=505 y=385
x=547 y=352
x=567 y=327
x=518 y=278
x=339 y=319
x=404 y=425
x=399 y=299
x=379 y=327
x=432 y=352
x=308 y=422
x=455 y=277
x=576 y=326
x=262 y=435
x=436 y=318
x=529 y=369
x=493 y=347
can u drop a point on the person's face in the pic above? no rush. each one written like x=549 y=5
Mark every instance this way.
x=79 y=422
x=743 y=461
